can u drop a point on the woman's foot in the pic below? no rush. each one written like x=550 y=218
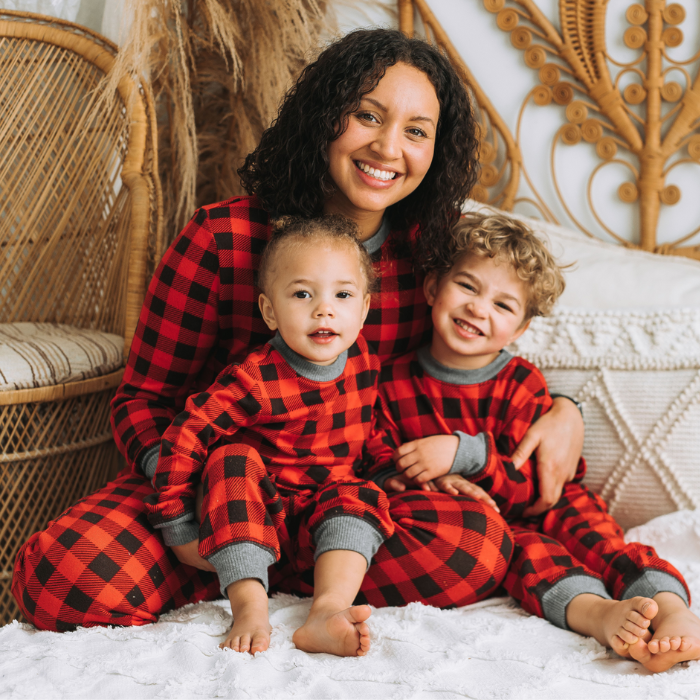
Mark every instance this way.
x=333 y=631
x=676 y=636
x=251 y=622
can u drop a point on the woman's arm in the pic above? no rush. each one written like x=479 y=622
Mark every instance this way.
x=556 y=439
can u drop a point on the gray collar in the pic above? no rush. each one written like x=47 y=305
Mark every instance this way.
x=372 y=245
x=308 y=370
x=461 y=376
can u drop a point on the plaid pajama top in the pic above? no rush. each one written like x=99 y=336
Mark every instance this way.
x=201 y=313
x=490 y=409
x=306 y=431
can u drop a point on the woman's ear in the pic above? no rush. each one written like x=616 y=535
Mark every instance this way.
x=430 y=286
x=268 y=312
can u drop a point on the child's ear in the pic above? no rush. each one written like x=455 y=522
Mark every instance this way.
x=268 y=312
x=430 y=286
x=365 y=308
x=520 y=331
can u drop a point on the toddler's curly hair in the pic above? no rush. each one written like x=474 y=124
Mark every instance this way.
x=510 y=241
x=289 y=231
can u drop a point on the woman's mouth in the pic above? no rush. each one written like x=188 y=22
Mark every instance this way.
x=323 y=336
x=376 y=173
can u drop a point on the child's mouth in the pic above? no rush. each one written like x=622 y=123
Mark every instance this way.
x=468 y=327
x=323 y=336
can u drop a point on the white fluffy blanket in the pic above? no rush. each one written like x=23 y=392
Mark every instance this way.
x=488 y=650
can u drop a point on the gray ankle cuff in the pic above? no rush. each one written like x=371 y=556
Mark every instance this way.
x=149 y=462
x=239 y=561
x=558 y=597
x=347 y=532
x=471 y=454
x=180 y=532
x=652 y=582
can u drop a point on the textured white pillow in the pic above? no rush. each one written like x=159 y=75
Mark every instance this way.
x=608 y=276
x=638 y=377
x=44 y=354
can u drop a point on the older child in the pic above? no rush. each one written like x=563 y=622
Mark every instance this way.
x=570 y=565
x=301 y=409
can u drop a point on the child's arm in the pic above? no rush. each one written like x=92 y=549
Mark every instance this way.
x=484 y=459
x=234 y=401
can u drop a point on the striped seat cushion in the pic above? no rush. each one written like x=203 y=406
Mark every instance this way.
x=35 y=355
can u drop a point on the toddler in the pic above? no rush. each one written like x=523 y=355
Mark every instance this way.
x=290 y=421
x=570 y=565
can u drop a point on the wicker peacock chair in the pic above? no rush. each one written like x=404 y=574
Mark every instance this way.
x=79 y=205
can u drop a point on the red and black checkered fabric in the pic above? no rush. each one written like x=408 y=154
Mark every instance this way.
x=101 y=563
x=201 y=313
x=577 y=536
x=306 y=432
x=243 y=502
x=413 y=405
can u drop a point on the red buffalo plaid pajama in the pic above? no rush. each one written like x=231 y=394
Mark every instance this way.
x=101 y=562
x=575 y=547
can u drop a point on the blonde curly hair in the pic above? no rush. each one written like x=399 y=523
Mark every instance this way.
x=511 y=241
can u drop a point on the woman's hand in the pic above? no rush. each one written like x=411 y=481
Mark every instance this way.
x=557 y=440
x=457 y=485
x=189 y=554
x=427 y=458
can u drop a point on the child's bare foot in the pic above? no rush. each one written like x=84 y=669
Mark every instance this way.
x=251 y=623
x=676 y=636
x=333 y=631
x=249 y=633
x=617 y=624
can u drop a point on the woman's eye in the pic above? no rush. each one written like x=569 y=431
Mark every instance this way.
x=367 y=117
x=343 y=295
x=301 y=294
x=415 y=131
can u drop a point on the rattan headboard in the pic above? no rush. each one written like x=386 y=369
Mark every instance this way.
x=631 y=127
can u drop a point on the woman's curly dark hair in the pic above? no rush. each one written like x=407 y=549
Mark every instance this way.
x=288 y=170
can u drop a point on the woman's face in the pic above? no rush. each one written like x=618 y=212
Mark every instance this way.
x=388 y=146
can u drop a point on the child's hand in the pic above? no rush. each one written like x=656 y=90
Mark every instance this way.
x=427 y=458
x=457 y=485
x=189 y=554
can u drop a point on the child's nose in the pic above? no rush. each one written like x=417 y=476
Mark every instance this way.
x=477 y=307
x=325 y=308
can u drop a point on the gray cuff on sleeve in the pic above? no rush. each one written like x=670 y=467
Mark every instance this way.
x=347 y=532
x=180 y=532
x=558 y=597
x=471 y=454
x=652 y=582
x=380 y=478
x=149 y=462
x=239 y=561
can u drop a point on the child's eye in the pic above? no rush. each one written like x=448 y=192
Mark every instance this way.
x=301 y=294
x=467 y=286
x=505 y=307
x=343 y=295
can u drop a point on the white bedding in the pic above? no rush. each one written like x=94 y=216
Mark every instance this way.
x=489 y=650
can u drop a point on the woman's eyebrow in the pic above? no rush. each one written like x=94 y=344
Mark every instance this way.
x=379 y=105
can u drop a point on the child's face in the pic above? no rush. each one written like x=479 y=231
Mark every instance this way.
x=317 y=300
x=478 y=308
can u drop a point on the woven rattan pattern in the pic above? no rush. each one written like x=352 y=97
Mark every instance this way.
x=78 y=207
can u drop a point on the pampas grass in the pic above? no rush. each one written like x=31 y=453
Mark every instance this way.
x=218 y=70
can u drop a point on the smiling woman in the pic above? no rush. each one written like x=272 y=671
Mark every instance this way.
x=380 y=129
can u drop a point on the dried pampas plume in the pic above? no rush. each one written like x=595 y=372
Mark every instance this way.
x=218 y=70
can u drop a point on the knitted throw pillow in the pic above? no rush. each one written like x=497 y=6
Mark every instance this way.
x=637 y=375
x=44 y=354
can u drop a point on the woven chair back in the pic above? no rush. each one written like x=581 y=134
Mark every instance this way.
x=66 y=217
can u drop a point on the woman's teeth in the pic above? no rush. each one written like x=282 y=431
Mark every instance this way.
x=468 y=327
x=373 y=172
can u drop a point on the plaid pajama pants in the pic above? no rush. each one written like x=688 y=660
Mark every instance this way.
x=577 y=537
x=101 y=562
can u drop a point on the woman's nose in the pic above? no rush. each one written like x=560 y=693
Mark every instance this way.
x=387 y=144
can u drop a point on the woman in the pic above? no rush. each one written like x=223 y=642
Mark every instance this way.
x=379 y=129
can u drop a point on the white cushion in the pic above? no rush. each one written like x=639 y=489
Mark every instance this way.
x=638 y=377
x=44 y=354
x=609 y=276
